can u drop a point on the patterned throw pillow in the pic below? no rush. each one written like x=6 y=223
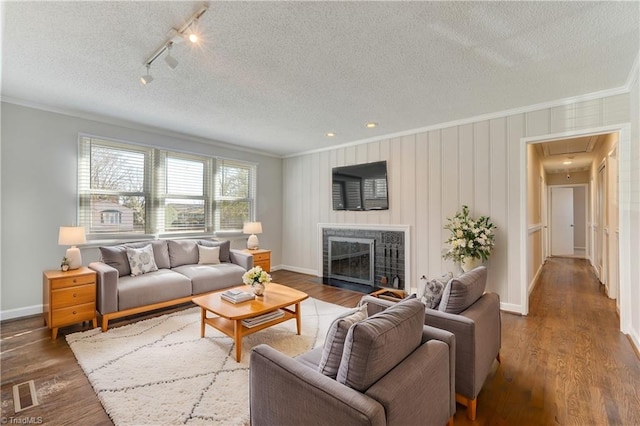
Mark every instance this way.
x=141 y=260
x=336 y=335
x=433 y=290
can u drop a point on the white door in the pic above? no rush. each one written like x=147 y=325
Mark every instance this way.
x=561 y=221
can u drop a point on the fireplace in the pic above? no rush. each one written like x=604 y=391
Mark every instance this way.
x=352 y=259
x=378 y=256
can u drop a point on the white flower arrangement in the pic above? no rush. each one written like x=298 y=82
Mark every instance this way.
x=256 y=275
x=469 y=237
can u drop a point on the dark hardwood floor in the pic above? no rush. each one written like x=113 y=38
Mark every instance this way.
x=564 y=363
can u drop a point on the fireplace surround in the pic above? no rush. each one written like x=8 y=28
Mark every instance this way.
x=387 y=266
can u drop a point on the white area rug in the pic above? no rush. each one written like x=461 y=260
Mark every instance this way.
x=160 y=372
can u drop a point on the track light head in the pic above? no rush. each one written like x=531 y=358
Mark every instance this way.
x=147 y=78
x=170 y=60
x=193 y=32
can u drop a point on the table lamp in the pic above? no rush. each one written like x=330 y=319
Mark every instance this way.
x=70 y=236
x=252 y=228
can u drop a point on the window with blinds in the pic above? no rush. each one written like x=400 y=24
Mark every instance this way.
x=126 y=189
x=235 y=191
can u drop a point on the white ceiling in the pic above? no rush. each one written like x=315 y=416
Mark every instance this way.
x=276 y=76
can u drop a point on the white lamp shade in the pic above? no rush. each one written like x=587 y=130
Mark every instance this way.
x=70 y=236
x=252 y=228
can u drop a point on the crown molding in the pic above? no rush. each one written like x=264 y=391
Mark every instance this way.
x=490 y=116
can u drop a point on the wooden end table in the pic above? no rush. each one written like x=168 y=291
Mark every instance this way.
x=228 y=316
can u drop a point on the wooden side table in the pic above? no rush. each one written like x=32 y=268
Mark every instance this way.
x=68 y=297
x=261 y=258
x=390 y=294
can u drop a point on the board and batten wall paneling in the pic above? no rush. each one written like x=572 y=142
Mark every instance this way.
x=431 y=174
x=497 y=193
x=435 y=190
x=482 y=168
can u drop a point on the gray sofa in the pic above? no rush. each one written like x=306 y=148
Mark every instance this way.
x=179 y=276
x=474 y=317
x=393 y=370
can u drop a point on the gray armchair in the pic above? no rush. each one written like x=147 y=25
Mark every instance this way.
x=393 y=370
x=474 y=318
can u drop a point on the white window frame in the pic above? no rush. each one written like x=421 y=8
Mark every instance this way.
x=155 y=190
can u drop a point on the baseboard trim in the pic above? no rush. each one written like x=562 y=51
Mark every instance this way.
x=635 y=343
x=299 y=270
x=20 y=312
x=534 y=281
x=511 y=308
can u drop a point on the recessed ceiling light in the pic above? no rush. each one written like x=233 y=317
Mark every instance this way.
x=329 y=134
x=567 y=162
x=371 y=125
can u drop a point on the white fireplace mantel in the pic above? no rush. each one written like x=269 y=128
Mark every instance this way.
x=406 y=229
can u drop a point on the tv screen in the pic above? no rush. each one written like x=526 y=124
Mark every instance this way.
x=360 y=187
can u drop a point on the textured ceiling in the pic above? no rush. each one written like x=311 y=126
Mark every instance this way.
x=276 y=76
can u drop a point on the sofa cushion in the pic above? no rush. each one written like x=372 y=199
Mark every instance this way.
x=334 y=342
x=160 y=251
x=208 y=255
x=462 y=291
x=116 y=257
x=154 y=287
x=182 y=252
x=376 y=345
x=206 y=278
x=225 y=247
x=141 y=260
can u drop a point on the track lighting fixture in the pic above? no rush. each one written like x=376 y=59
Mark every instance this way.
x=147 y=78
x=170 y=60
x=188 y=31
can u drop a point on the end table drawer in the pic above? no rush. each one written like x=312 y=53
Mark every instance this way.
x=261 y=257
x=72 y=281
x=73 y=314
x=73 y=296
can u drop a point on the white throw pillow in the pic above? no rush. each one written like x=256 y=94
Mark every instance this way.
x=141 y=260
x=208 y=255
x=334 y=343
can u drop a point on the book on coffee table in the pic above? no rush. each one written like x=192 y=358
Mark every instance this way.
x=237 y=296
x=261 y=319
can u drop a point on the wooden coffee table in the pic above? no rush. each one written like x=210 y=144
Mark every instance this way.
x=228 y=316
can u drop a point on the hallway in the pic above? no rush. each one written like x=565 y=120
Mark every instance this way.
x=566 y=362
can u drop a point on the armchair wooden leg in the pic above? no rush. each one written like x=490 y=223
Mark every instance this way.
x=471 y=409
x=450 y=422
x=471 y=405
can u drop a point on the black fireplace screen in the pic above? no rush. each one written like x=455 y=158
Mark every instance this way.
x=351 y=259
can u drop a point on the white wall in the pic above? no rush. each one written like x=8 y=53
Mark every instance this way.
x=632 y=212
x=39 y=166
x=431 y=174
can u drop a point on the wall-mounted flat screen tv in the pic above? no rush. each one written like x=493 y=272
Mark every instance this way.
x=360 y=187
